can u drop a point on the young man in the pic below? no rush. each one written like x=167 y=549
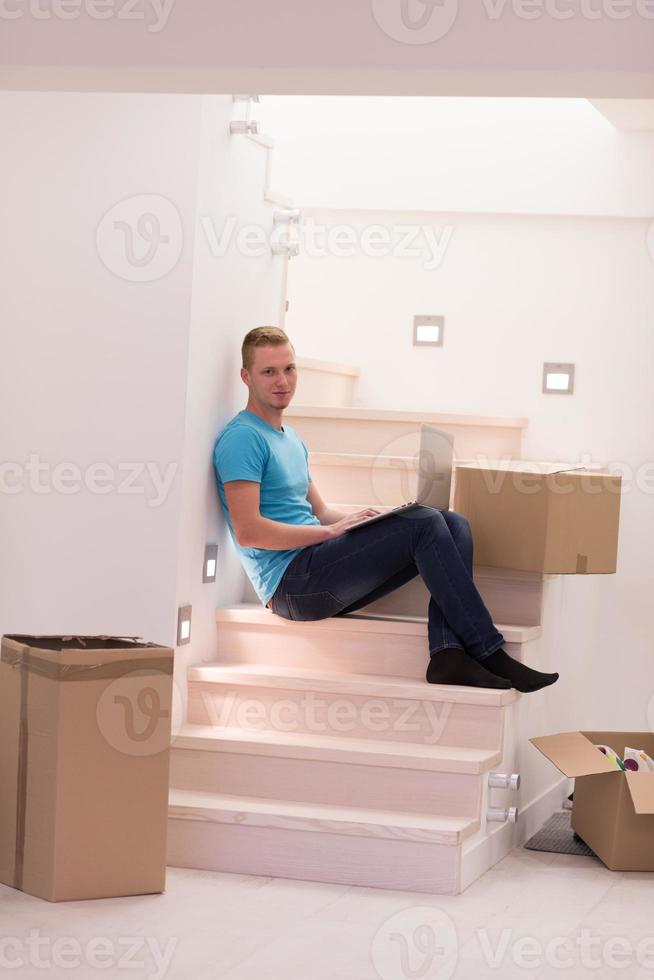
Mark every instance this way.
x=304 y=566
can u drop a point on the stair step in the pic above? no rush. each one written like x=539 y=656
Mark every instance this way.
x=325 y=383
x=317 y=818
x=343 y=845
x=334 y=771
x=442 y=419
x=352 y=429
x=358 y=643
x=328 y=367
x=255 y=613
x=369 y=685
x=511 y=596
x=366 y=706
x=384 y=479
x=353 y=751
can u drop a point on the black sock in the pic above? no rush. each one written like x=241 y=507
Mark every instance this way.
x=523 y=678
x=453 y=666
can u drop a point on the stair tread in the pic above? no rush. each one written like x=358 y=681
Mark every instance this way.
x=257 y=614
x=321 y=456
x=306 y=678
x=319 y=816
x=392 y=415
x=340 y=748
x=330 y=367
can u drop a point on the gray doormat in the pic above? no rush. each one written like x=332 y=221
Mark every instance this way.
x=558 y=836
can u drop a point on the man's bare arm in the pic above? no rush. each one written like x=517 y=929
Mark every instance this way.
x=320 y=508
x=254 y=531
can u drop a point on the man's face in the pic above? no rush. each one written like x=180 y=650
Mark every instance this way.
x=273 y=376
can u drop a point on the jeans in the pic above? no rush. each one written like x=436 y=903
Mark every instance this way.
x=341 y=575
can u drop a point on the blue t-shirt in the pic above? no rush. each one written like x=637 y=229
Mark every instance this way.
x=248 y=448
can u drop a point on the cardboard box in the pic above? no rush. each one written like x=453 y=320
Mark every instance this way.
x=612 y=810
x=84 y=754
x=540 y=517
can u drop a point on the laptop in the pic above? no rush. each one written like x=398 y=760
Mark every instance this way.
x=435 y=461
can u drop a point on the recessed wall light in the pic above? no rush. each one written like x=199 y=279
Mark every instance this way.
x=210 y=563
x=286 y=248
x=183 y=625
x=290 y=216
x=558 y=379
x=243 y=127
x=428 y=331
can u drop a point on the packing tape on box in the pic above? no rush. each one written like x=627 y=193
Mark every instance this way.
x=28 y=664
x=26 y=661
x=582 y=564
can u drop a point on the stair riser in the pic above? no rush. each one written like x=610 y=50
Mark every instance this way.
x=345 y=652
x=375 y=485
x=402 y=438
x=392 y=719
x=319 y=781
x=323 y=388
x=510 y=596
x=508 y=599
x=327 y=857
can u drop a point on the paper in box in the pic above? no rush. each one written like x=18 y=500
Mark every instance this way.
x=540 y=517
x=612 y=810
x=84 y=757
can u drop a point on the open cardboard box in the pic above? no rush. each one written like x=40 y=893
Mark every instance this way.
x=612 y=810
x=84 y=754
x=555 y=518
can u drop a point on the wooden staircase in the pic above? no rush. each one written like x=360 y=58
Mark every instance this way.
x=316 y=750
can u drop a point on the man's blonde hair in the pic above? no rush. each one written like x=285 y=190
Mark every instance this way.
x=261 y=337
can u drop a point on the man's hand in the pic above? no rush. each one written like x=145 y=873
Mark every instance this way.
x=340 y=527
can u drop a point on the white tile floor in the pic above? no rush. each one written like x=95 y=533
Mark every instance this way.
x=597 y=923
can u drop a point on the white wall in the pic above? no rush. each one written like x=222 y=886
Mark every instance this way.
x=97 y=367
x=92 y=364
x=232 y=292
x=516 y=289
x=534 y=156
